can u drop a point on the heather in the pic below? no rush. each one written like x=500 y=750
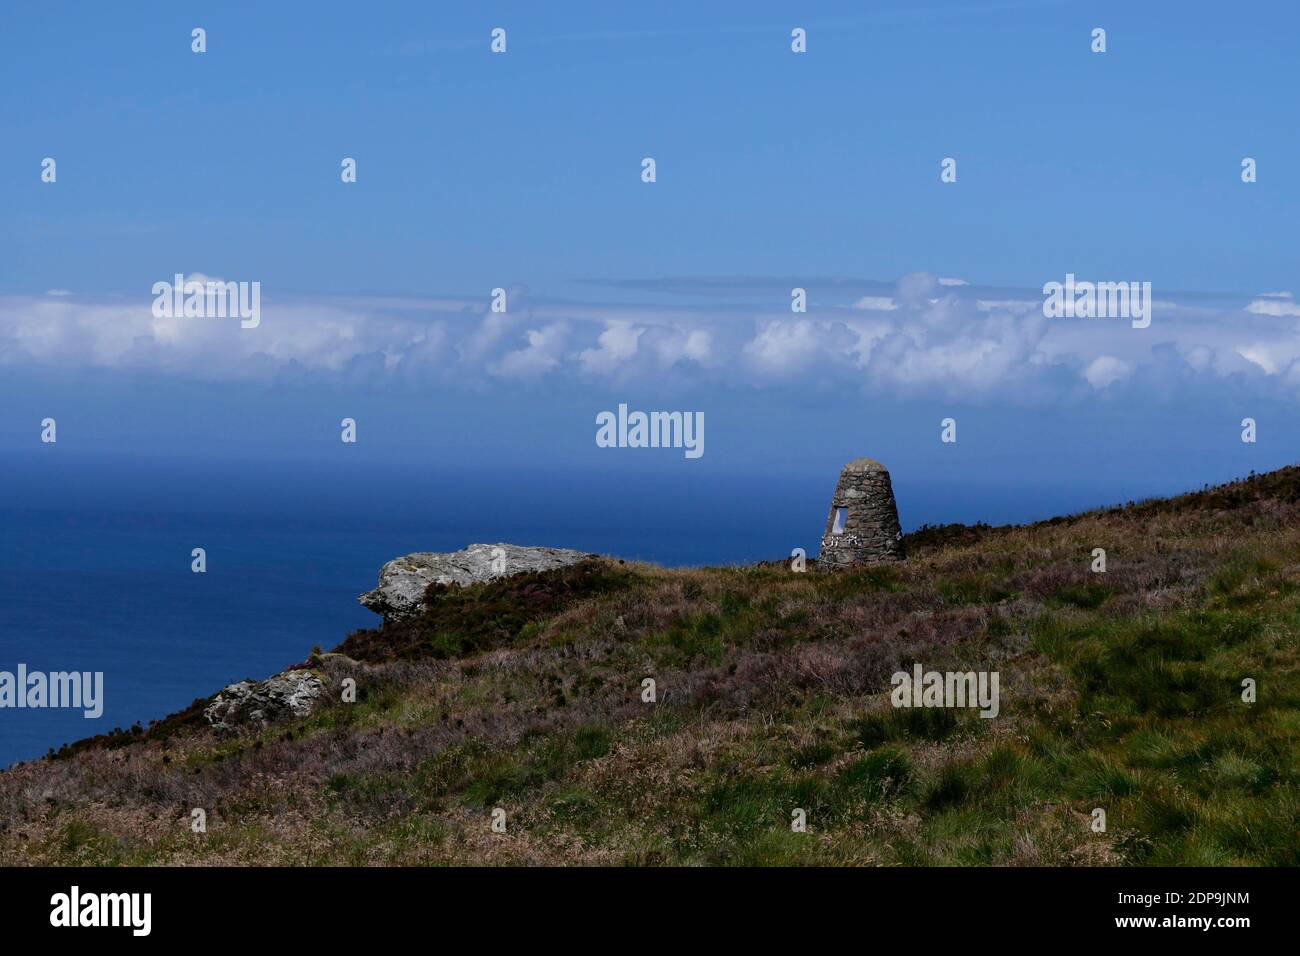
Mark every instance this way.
x=1120 y=690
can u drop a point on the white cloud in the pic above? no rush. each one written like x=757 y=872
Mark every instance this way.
x=782 y=348
x=876 y=303
x=488 y=331
x=541 y=355
x=669 y=346
x=1199 y=357
x=1105 y=370
x=1258 y=356
x=928 y=338
x=617 y=344
x=1274 y=306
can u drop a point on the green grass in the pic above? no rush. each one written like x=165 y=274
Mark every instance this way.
x=974 y=589
x=1117 y=695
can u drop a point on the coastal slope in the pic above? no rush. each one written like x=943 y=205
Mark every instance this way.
x=1162 y=691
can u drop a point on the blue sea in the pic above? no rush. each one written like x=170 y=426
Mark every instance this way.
x=104 y=583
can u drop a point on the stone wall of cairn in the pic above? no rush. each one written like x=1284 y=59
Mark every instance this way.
x=871 y=531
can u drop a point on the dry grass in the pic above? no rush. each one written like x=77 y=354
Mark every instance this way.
x=1119 y=690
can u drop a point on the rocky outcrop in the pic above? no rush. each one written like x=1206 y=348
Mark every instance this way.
x=403 y=580
x=862 y=527
x=250 y=703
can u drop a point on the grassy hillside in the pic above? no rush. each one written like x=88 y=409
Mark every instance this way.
x=1119 y=690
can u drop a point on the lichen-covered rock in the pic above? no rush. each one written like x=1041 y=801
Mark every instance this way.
x=403 y=580
x=250 y=703
x=862 y=527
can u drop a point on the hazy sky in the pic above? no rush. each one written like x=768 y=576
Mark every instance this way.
x=774 y=170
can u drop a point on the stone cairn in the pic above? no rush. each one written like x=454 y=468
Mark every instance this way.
x=862 y=527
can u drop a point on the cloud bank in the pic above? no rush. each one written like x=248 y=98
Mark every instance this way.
x=939 y=337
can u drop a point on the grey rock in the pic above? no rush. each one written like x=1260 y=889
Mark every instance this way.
x=862 y=527
x=250 y=703
x=403 y=580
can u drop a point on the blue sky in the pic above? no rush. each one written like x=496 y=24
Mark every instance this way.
x=774 y=169
x=477 y=171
